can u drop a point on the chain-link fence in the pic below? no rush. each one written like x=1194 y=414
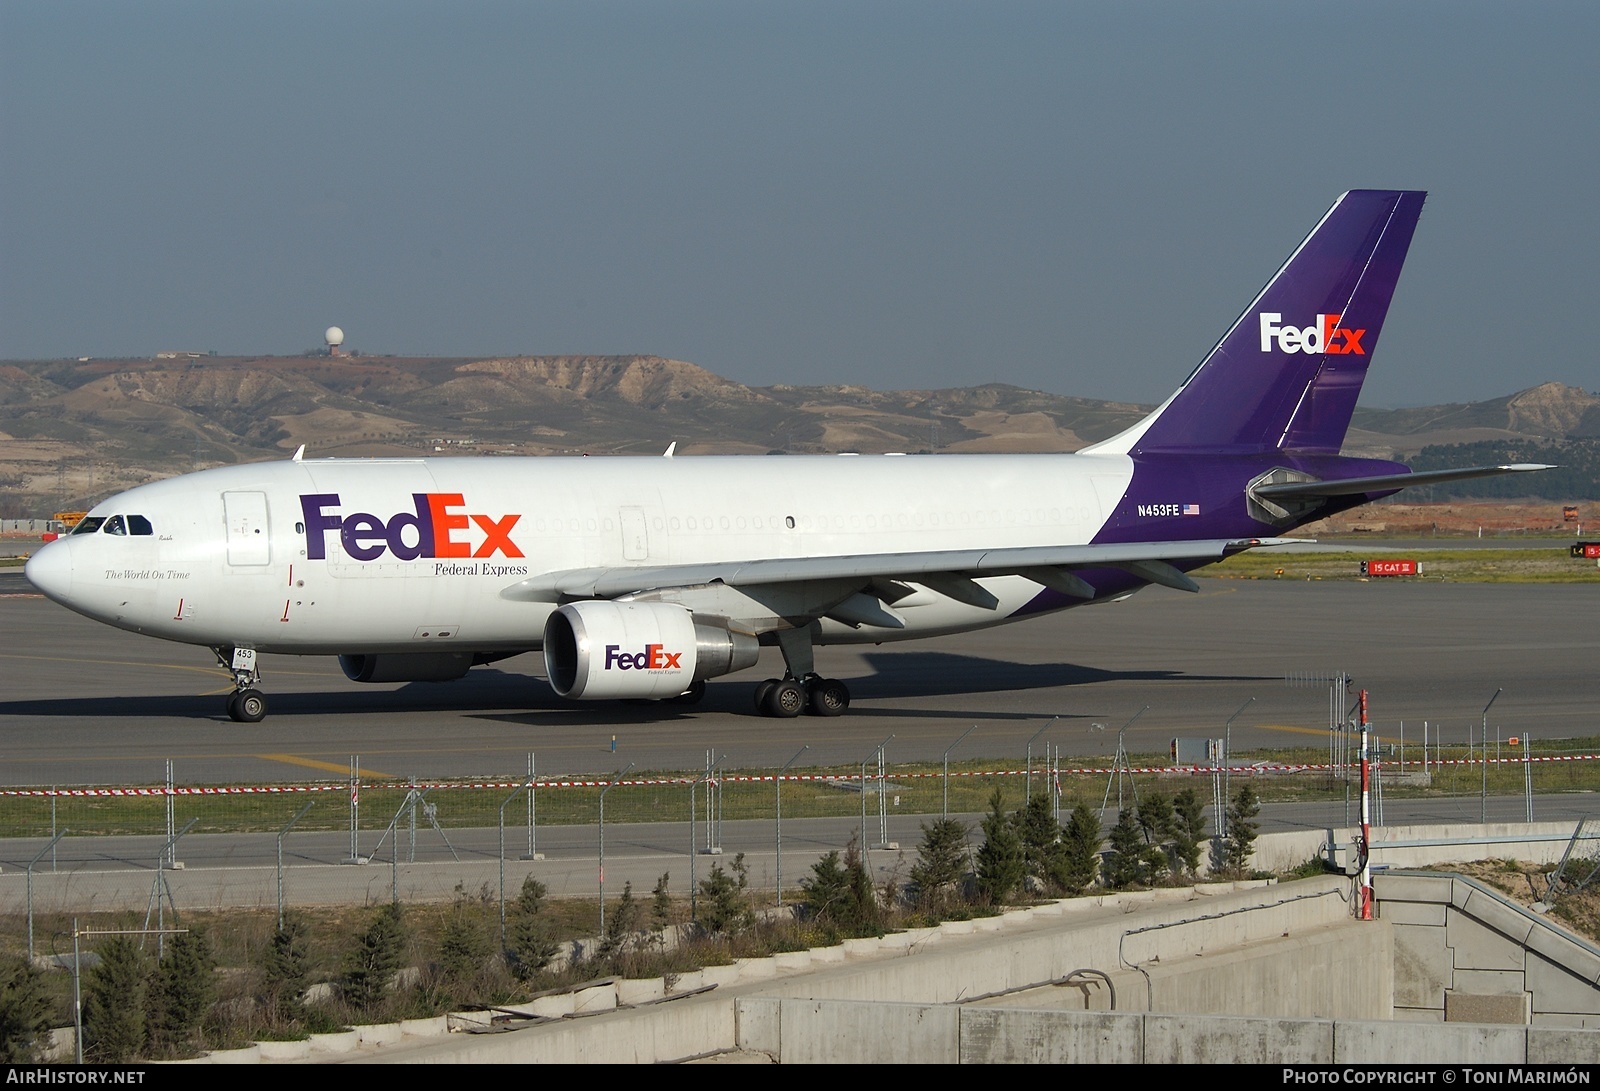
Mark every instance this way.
x=63 y=848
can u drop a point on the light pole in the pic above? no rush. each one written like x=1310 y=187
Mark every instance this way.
x=946 y=761
x=609 y=785
x=779 y=781
x=281 y=835
x=1227 y=745
x=1483 y=797
x=525 y=785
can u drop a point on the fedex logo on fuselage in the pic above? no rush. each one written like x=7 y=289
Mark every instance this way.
x=655 y=657
x=434 y=528
x=1325 y=335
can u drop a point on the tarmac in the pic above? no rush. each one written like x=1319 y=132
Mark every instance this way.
x=81 y=703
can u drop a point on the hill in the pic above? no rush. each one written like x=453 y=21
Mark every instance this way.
x=72 y=431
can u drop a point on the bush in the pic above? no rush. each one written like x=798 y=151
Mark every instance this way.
x=723 y=907
x=1125 y=863
x=1241 y=830
x=114 y=1009
x=1041 y=840
x=530 y=948
x=285 y=970
x=1080 y=850
x=24 y=1011
x=1001 y=865
x=941 y=861
x=182 y=991
x=374 y=960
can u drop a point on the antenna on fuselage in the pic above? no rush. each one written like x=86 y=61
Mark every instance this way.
x=673 y=446
x=299 y=453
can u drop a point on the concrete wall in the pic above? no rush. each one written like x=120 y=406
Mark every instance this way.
x=1188 y=942
x=1465 y=953
x=845 y=1031
x=1419 y=846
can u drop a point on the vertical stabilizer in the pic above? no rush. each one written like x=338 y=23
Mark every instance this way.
x=1288 y=372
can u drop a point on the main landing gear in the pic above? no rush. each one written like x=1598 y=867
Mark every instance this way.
x=246 y=704
x=787 y=697
x=801 y=689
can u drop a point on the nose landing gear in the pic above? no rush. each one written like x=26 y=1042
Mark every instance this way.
x=246 y=704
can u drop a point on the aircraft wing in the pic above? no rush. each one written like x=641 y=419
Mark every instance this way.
x=1048 y=565
x=1352 y=486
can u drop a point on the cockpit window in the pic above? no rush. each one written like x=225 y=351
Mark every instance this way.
x=89 y=525
x=115 y=525
x=138 y=524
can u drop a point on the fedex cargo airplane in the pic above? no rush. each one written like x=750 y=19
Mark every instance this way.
x=643 y=577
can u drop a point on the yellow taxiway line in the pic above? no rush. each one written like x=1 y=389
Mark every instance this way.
x=325 y=766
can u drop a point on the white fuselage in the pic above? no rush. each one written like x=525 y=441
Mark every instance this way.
x=238 y=557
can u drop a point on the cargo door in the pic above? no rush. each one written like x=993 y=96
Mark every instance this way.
x=635 y=535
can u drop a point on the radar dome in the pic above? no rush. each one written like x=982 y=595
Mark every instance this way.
x=334 y=336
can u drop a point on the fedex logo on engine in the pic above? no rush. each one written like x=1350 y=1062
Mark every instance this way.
x=655 y=657
x=1325 y=335
x=434 y=528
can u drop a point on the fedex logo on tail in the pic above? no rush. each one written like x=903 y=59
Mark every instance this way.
x=1325 y=335
x=435 y=527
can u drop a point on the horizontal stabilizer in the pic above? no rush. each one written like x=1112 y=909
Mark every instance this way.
x=1353 y=486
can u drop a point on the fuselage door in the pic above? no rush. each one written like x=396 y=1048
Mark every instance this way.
x=249 y=542
x=635 y=535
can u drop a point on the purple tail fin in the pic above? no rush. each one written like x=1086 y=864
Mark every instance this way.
x=1287 y=374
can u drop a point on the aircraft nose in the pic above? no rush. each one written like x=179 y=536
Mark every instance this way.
x=50 y=570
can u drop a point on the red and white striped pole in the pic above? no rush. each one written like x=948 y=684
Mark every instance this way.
x=1366 y=816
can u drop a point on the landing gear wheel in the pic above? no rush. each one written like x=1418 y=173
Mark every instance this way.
x=248 y=706
x=693 y=695
x=233 y=706
x=827 y=697
x=786 y=700
x=763 y=691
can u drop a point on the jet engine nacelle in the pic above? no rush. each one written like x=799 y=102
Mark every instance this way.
x=406 y=666
x=654 y=650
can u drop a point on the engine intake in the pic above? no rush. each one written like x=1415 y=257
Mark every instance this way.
x=608 y=650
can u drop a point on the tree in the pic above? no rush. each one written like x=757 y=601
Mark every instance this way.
x=1240 y=833
x=24 y=1011
x=827 y=892
x=624 y=924
x=1125 y=863
x=182 y=991
x=1041 y=839
x=661 y=908
x=1080 y=849
x=285 y=969
x=1001 y=866
x=1189 y=830
x=863 y=904
x=530 y=948
x=940 y=861
x=114 y=1010
x=372 y=963
x=724 y=907
x=464 y=945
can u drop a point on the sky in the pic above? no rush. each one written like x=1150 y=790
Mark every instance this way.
x=1075 y=198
